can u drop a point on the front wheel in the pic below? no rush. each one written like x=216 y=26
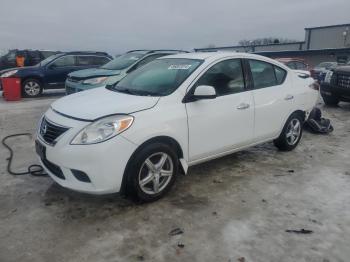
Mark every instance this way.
x=152 y=172
x=291 y=133
x=32 y=88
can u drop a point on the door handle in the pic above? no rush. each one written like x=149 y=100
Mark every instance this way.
x=243 y=106
x=289 y=97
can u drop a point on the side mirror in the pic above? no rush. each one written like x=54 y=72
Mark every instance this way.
x=202 y=92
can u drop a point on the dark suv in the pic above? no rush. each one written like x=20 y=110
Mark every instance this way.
x=336 y=86
x=52 y=72
x=31 y=57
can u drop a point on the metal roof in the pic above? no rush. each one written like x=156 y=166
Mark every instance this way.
x=327 y=26
x=305 y=52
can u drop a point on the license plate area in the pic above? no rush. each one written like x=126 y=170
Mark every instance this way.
x=40 y=149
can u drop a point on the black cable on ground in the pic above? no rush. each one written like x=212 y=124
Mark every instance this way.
x=34 y=170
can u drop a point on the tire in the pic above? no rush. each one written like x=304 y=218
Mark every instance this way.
x=330 y=100
x=32 y=88
x=145 y=169
x=291 y=133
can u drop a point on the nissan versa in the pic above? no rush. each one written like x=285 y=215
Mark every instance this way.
x=177 y=111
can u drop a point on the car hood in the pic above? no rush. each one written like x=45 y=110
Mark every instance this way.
x=21 y=70
x=93 y=72
x=99 y=102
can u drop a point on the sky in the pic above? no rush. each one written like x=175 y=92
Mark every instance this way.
x=116 y=26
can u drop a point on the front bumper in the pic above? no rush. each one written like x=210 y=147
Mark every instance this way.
x=342 y=94
x=103 y=163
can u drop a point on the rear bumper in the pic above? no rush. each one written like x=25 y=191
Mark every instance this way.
x=342 y=94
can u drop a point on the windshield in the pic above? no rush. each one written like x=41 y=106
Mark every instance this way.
x=158 y=78
x=48 y=60
x=123 y=61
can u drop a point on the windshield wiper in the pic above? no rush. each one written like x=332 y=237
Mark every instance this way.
x=125 y=90
x=130 y=91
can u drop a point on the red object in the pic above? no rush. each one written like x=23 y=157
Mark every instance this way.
x=11 y=88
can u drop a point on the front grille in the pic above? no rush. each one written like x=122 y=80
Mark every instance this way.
x=343 y=81
x=56 y=170
x=50 y=132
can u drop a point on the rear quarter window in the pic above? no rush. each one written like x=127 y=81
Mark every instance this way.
x=265 y=74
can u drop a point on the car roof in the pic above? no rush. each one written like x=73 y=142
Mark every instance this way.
x=85 y=53
x=152 y=51
x=215 y=55
x=289 y=59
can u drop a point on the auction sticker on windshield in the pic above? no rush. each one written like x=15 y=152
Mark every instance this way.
x=179 y=67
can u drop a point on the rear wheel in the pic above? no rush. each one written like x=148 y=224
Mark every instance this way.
x=152 y=173
x=32 y=88
x=291 y=133
x=330 y=100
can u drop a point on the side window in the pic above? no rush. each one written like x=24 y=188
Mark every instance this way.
x=64 y=61
x=11 y=56
x=226 y=77
x=34 y=56
x=263 y=74
x=148 y=59
x=292 y=65
x=100 y=60
x=46 y=54
x=300 y=66
x=85 y=60
x=280 y=75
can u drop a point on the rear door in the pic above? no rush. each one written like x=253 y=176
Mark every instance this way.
x=273 y=98
x=56 y=72
x=227 y=122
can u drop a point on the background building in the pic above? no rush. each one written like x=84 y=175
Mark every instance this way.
x=321 y=44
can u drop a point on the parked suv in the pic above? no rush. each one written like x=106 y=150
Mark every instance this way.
x=52 y=72
x=31 y=57
x=320 y=71
x=336 y=86
x=175 y=112
x=113 y=71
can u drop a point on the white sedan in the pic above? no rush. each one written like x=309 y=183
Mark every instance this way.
x=177 y=111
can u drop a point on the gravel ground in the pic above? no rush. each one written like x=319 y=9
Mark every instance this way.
x=236 y=208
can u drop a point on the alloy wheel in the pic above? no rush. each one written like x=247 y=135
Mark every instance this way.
x=156 y=173
x=293 y=131
x=32 y=88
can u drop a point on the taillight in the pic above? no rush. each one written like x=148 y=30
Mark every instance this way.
x=315 y=86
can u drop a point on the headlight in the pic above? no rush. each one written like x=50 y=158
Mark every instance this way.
x=103 y=129
x=95 y=81
x=9 y=73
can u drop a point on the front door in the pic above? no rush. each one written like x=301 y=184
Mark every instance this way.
x=57 y=71
x=219 y=125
